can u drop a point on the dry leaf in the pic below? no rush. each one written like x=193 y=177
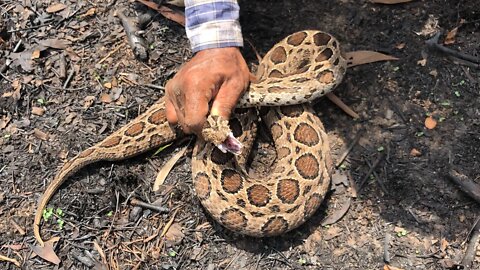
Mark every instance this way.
x=434 y=73
x=107 y=85
x=174 y=235
x=55 y=43
x=121 y=100
x=41 y=134
x=4 y=121
x=7 y=259
x=166 y=12
x=63 y=154
x=400 y=46
x=389 y=267
x=56 y=8
x=390 y=2
x=415 y=153
x=450 y=39
x=169 y=223
x=89 y=12
x=422 y=62
x=15 y=247
x=332 y=232
x=88 y=101
x=430 y=123
x=46 y=252
x=106 y=98
x=444 y=244
x=36 y=54
x=38 y=111
x=163 y=173
x=338 y=214
x=430 y=27
x=70 y=118
x=17 y=86
x=364 y=57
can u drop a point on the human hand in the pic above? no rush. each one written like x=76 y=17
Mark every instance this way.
x=220 y=75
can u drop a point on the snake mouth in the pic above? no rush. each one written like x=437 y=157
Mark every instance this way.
x=231 y=144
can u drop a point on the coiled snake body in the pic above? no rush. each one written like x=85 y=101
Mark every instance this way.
x=298 y=69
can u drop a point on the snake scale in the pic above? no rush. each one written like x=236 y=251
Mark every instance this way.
x=300 y=68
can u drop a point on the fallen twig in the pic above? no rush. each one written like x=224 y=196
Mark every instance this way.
x=379 y=180
x=110 y=53
x=349 y=149
x=372 y=168
x=159 y=209
x=168 y=13
x=62 y=70
x=433 y=43
x=471 y=188
x=69 y=78
x=333 y=98
x=137 y=43
x=472 y=245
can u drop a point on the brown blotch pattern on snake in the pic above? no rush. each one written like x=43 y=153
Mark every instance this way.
x=158 y=117
x=234 y=219
x=321 y=39
x=279 y=55
x=275 y=225
x=288 y=190
x=134 y=129
x=276 y=74
x=291 y=111
x=307 y=166
x=111 y=142
x=275 y=89
x=232 y=181
x=325 y=55
x=326 y=77
x=283 y=152
x=202 y=186
x=236 y=127
x=276 y=130
x=219 y=157
x=306 y=134
x=297 y=38
x=155 y=138
x=86 y=153
x=258 y=195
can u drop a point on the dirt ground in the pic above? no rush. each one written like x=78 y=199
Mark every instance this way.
x=406 y=214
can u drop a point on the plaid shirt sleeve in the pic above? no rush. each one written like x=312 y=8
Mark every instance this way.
x=213 y=24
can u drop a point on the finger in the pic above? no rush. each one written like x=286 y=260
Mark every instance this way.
x=171 y=113
x=197 y=110
x=227 y=99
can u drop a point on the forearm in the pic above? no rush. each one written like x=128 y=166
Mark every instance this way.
x=213 y=24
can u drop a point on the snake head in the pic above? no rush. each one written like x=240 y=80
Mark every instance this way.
x=231 y=144
x=217 y=131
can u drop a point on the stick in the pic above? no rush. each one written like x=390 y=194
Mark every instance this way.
x=433 y=43
x=110 y=53
x=62 y=70
x=349 y=149
x=333 y=98
x=137 y=43
x=375 y=164
x=159 y=209
x=471 y=188
x=472 y=245
x=379 y=181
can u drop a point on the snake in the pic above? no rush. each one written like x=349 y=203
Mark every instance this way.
x=294 y=72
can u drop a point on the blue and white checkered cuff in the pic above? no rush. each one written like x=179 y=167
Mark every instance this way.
x=213 y=24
